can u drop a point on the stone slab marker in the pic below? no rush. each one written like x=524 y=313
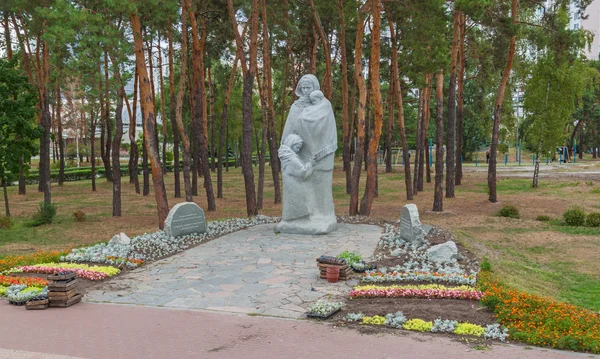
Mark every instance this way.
x=185 y=218
x=410 y=225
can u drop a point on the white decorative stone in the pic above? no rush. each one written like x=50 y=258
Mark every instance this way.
x=185 y=218
x=410 y=225
x=120 y=238
x=443 y=253
x=309 y=142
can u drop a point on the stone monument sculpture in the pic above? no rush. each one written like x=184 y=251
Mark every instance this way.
x=309 y=142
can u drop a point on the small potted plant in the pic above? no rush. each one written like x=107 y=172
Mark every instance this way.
x=323 y=309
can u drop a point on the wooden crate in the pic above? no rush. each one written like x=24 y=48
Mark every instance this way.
x=63 y=277
x=36 y=304
x=66 y=303
x=62 y=286
x=62 y=295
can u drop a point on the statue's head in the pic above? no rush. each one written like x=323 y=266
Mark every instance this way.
x=306 y=85
x=294 y=142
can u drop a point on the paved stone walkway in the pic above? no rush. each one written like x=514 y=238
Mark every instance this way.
x=249 y=271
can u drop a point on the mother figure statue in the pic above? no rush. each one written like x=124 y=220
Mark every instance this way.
x=311 y=118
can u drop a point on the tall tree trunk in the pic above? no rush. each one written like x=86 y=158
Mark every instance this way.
x=426 y=131
x=371 y=186
x=134 y=153
x=59 y=139
x=451 y=131
x=461 y=100
x=179 y=112
x=149 y=46
x=270 y=119
x=389 y=129
x=398 y=95
x=498 y=107
x=46 y=123
x=107 y=123
x=163 y=113
x=224 y=128
x=347 y=136
x=211 y=116
x=362 y=104
x=93 y=144
x=423 y=135
x=438 y=196
x=147 y=101
x=172 y=115
x=419 y=142
x=198 y=108
x=7 y=41
x=116 y=149
x=327 y=87
x=247 y=117
x=6 y=207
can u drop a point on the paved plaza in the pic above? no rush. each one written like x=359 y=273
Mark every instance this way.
x=250 y=271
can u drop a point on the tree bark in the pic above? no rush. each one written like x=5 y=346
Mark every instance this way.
x=327 y=87
x=93 y=144
x=426 y=131
x=211 y=116
x=398 y=96
x=247 y=117
x=46 y=123
x=371 y=186
x=173 y=114
x=224 y=127
x=347 y=136
x=134 y=153
x=6 y=207
x=461 y=100
x=360 y=130
x=451 y=131
x=179 y=112
x=116 y=149
x=389 y=129
x=162 y=107
x=198 y=108
x=147 y=102
x=268 y=92
x=498 y=107
x=7 y=41
x=438 y=197
x=59 y=135
x=107 y=123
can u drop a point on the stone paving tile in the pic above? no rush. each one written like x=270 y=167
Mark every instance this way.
x=249 y=271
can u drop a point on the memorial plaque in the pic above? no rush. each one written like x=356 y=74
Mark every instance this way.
x=185 y=218
x=410 y=225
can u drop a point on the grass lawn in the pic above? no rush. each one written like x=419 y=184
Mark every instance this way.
x=543 y=258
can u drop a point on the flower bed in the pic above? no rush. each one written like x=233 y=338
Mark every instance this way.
x=30 y=282
x=20 y=293
x=428 y=292
x=40 y=257
x=152 y=246
x=398 y=320
x=82 y=270
x=323 y=309
x=395 y=276
x=541 y=321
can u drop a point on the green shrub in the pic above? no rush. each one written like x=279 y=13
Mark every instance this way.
x=5 y=222
x=574 y=216
x=509 y=211
x=169 y=156
x=44 y=215
x=350 y=257
x=79 y=216
x=486 y=265
x=543 y=218
x=593 y=219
